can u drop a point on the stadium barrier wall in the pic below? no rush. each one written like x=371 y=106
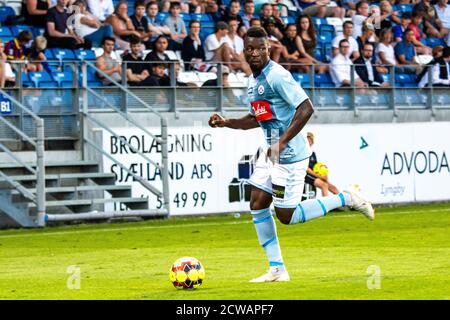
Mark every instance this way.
x=392 y=163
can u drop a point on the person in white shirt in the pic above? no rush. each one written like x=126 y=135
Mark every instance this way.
x=443 y=13
x=440 y=66
x=100 y=9
x=385 y=51
x=236 y=44
x=89 y=27
x=216 y=44
x=340 y=68
x=362 y=13
x=347 y=34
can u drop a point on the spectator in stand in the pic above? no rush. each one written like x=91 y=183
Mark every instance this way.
x=440 y=69
x=385 y=50
x=391 y=16
x=101 y=9
x=167 y=4
x=255 y=22
x=232 y=12
x=294 y=51
x=36 y=54
x=353 y=52
x=141 y=23
x=15 y=49
x=362 y=13
x=367 y=36
x=433 y=26
x=176 y=26
x=89 y=27
x=159 y=50
x=107 y=63
x=212 y=8
x=340 y=68
x=7 y=76
x=155 y=26
x=443 y=12
x=276 y=48
x=321 y=9
x=34 y=12
x=405 y=52
x=57 y=33
x=158 y=74
x=192 y=51
x=267 y=17
x=216 y=45
x=418 y=34
x=236 y=43
x=249 y=13
x=195 y=6
x=277 y=13
x=137 y=70
x=399 y=29
x=122 y=25
x=306 y=43
x=366 y=70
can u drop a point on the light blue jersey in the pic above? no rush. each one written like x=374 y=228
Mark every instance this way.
x=274 y=96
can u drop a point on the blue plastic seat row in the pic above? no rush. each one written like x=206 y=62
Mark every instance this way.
x=67 y=54
x=63 y=79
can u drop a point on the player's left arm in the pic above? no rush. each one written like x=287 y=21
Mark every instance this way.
x=301 y=117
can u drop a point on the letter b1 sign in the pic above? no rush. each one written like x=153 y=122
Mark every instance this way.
x=5 y=106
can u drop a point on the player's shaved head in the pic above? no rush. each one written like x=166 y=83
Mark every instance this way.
x=256 y=32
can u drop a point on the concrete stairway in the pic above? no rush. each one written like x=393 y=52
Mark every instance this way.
x=71 y=187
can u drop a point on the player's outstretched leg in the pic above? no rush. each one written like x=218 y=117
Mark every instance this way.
x=267 y=236
x=319 y=207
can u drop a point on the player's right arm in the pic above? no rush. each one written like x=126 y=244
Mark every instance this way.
x=244 y=123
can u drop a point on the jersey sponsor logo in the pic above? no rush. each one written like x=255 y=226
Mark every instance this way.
x=262 y=110
x=278 y=191
x=261 y=89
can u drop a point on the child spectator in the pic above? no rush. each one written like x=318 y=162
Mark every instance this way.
x=36 y=54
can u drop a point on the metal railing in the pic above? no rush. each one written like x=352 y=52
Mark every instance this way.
x=39 y=172
x=162 y=139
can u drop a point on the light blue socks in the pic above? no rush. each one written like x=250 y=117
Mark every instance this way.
x=319 y=207
x=267 y=235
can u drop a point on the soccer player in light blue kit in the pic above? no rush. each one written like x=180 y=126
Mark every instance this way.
x=281 y=108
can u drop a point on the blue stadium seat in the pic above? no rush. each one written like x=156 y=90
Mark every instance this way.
x=327 y=52
x=433 y=42
x=26 y=80
x=203 y=17
x=288 y=19
x=5 y=32
x=403 y=7
x=161 y=16
x=303 y=79
x=318 y=22
x=327 y=28
x=322 y=79
x=318 y=54
x=95 y=84
x=325 y=38
x=5 y=12
x=42 y=80
x=405 y=80
x=186 y=17
x=82 y=54
x=64 y=79
x=19 y=28
x=386 y=77
x=49 y=54
x=63 y=54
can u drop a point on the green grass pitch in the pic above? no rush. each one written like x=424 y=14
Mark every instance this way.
x=327 y=258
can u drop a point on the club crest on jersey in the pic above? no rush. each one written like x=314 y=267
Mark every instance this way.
x=261 y=89
x=262 y=110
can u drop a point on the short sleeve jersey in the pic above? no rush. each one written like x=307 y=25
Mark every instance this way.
x=274 y=96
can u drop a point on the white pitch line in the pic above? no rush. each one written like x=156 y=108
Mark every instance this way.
x=336 y=215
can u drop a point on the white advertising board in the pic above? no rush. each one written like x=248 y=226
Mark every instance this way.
x=392 y=163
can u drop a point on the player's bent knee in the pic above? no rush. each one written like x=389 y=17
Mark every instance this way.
x=284 y=214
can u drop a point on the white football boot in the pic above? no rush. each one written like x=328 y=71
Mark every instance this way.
x=275 y=274
x=360 y=204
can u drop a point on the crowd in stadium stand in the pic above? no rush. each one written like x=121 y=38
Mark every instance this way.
x=328 y=36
